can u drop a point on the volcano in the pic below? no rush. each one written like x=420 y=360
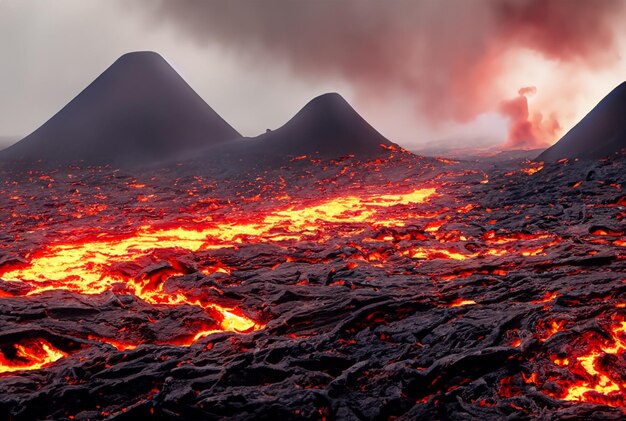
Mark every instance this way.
x=138 y=111
x=600 y=133
x=326 y=127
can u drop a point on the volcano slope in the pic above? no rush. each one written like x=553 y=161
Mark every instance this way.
x=401 y=287
x=599 y=134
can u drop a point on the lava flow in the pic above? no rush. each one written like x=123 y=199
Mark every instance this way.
x=392 y=288
x=86 y=266
x=30 y=354
x=596 y=380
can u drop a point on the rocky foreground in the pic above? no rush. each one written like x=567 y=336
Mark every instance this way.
x=400 y=288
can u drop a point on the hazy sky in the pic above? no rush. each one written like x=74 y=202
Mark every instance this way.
x=455 y=72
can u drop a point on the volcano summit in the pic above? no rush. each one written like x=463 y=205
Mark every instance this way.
x=138 y=111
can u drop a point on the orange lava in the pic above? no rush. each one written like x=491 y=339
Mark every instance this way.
x=551 y=328
x=461 y=302
x=596 y=384
x=85 y=266
x=29 y=354
x=533 y=168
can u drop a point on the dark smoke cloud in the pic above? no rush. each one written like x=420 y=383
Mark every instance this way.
x=448 y=56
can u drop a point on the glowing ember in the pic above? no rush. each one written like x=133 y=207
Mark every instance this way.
x=533 y=168
x=461 y=302
x=553 y=327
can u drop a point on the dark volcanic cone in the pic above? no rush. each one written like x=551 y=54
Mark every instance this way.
x=138 y=111
x=602 y=132
x=327 y=127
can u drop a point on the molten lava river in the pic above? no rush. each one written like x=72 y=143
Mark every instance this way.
x=403 y=287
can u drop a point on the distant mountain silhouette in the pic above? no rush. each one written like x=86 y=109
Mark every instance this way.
x=138 y=111
x=327 y=127
x=602 y=132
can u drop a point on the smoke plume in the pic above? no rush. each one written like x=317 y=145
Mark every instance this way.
x=527 y=131
x=450 y=57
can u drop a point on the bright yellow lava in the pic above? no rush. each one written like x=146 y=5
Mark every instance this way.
x=461 y=302
x=341 y=210
x=31 y=355
x=423 y=253
x=85 y=267
x=602 y=383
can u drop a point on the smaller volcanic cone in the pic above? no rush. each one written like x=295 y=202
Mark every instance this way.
x=327 y=127
x=138 y=111
x=601 y=133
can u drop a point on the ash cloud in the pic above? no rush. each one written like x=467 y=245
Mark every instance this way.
x=449 y=57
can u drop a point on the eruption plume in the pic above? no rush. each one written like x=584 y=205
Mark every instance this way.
x=527 y=131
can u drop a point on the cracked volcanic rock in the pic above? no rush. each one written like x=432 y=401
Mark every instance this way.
x=483 y=301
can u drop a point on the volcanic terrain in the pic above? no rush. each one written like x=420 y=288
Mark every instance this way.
x=347 y=279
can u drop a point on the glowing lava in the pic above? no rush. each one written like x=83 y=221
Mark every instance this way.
x=29 y=354
x=86 y=266
x=596 y=384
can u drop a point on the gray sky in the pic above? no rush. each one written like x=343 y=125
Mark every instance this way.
x=421 y=71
